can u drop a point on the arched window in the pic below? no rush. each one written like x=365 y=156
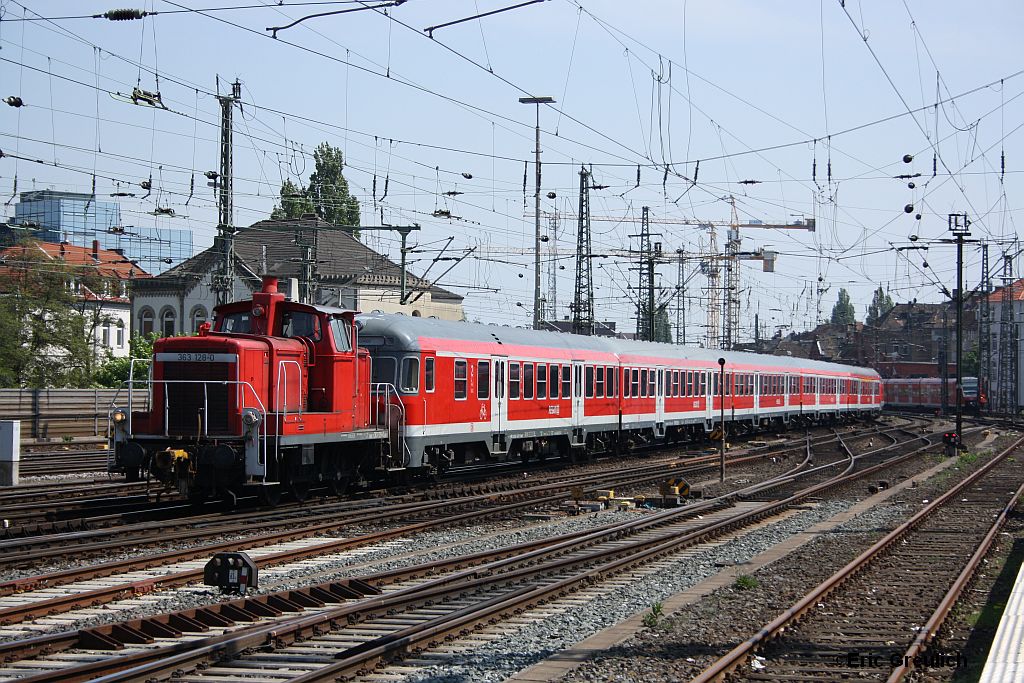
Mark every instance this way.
x=120 y=334
x=167 y=320
x=416 y=314
x=198 y=317
x=146 y=319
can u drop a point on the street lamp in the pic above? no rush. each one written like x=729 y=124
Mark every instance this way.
x=536 y=210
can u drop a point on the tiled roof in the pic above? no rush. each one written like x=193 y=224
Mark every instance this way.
x=106 y=262
x=340 y=257
x=1016 y=292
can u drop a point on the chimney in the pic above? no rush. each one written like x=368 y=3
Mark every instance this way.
x=96 y=250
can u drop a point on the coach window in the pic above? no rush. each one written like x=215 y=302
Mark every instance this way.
x=643 y=383
x=566 y=382
x=384 y=370
x=599 y=383
x=513 y=380
x=635 y=382
x=461 y=381
x=589 y=381
x=611 y=385
x=483 y=379
x=652 y=376
x=714 y=384
x=542 y=380
x=527 y=380
x=410 y=379
x=554 y=381
x=428 y=375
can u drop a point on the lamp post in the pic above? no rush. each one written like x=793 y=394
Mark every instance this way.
x=958 y=225
x=721 y=425
x=536 y=210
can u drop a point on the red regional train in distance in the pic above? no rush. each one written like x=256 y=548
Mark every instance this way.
x=283 y=396
x=926 y=394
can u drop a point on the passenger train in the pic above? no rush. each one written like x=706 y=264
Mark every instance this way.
x=283 y=396
x=926 y=394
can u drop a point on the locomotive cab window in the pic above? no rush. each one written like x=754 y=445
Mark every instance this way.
x=410 y=379
x=301 y=324
x=239 y=323
x=341 y=332
x=461 y=380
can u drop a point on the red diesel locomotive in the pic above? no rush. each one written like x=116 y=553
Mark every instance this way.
x=280 y=396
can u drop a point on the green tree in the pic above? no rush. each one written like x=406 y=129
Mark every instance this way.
x=328 y=188
x=115 y=371
x=662 y=327
x=294 y=202
x=48 y=324
x=843 y=312
x=881 y=303
x=327 y=194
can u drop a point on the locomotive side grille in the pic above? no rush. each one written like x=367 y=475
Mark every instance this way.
x=185 y=401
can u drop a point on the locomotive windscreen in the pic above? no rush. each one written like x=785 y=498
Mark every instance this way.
x=185 y=399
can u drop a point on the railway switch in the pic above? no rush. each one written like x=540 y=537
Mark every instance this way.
x=231 y=572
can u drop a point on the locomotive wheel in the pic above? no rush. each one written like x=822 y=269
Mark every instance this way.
x=270 y=496
x=299 y=488
x=338 y=484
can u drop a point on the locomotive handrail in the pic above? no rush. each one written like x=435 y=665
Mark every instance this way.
x=387 y=391
x=282 y=370
x=239 y=384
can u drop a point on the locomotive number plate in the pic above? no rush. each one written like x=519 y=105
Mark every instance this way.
x=196 y=357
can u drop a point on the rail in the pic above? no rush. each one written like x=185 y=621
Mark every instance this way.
x=738 y=655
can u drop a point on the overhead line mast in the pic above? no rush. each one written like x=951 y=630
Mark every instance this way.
x=223 y=281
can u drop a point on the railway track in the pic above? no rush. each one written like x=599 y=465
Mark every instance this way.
x=877 y=615
x=525 y=577
x=50 y=463
x=159 y=523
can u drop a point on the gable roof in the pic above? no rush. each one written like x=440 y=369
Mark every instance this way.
x=341 y=259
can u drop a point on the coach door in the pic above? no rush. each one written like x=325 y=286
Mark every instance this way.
x=499 y=403
x=578 y=434
x=659 y=404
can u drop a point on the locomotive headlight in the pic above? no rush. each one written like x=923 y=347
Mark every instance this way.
x=257 y=311
x=251 y=417
x=119 y=416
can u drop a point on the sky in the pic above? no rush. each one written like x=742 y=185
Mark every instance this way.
x=785 y=109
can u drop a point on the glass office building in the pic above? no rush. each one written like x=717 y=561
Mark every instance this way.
x=78 y=219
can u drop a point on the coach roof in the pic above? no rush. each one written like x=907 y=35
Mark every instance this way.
x=400 y=333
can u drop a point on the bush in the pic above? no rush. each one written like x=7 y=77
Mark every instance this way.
x=746 y=582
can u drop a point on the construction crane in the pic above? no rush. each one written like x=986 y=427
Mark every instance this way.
x=723 y=312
